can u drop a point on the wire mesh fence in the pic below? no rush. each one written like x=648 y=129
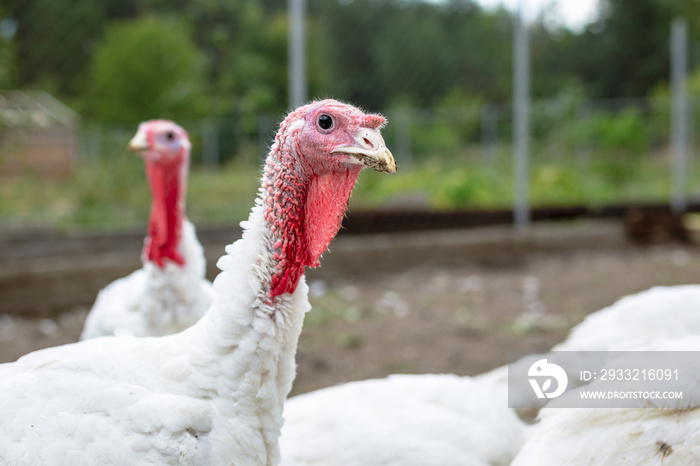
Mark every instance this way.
x=441 y=72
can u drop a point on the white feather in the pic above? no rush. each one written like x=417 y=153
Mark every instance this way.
x=631 y=322
x=666 y=434
x=402 y=420
x=152 y=301
x=211 y=395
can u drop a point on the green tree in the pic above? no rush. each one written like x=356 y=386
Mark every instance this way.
x=245 y=42
x=379 y=52
x=7 y=51
x=626 y=53
x=147 y=68
x=55 y=39
x=255 y=68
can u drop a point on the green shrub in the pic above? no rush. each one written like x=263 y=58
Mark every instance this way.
x=147 y=68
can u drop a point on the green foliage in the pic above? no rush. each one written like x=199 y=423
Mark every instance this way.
x=622 y=139
x=626 y=131
x=110 y=189
x=454 y=123
x=481 y=186
x=147 y=68
x=7 y=59
x=256 y=71
x=370 y=52
x=224 y=195
x=435 y=138
x=188 y=59
x=626 y=53
x=377 y=52
x=458 y=182
x=246 y=43
x=6 y=64
x=55 y=40
x=661 y=105
x=336 y=306
x=548 y=115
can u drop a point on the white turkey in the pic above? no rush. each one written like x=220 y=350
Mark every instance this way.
x=635 y=320
x=170 y=292
x=653 y=432
x=402 y=420
x=214 y=393
x=421 y=419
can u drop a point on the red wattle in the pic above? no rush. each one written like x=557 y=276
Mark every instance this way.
x=326 y=203
x=165 y=224
x=308 y=225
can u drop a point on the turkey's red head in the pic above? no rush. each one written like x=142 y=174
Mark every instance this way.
x=165 y=148
x=319 y=152
x=161 y=141
x=336 y=137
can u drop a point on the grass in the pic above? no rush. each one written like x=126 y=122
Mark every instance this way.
x=110 y=191
x=102 y=194
x=468 y=181
x=332 y=306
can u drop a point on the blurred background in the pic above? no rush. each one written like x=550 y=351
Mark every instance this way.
x=78 y=76
x=549 y=109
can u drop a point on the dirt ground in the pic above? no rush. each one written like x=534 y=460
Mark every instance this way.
x=460 y=317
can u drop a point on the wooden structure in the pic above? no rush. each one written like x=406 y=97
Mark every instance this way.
x=38 y=134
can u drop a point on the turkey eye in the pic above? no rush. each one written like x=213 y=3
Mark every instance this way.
x=325 y=122
x=169 y=136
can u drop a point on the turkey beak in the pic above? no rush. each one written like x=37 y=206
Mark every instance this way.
x=139 y=142
x=371 y=151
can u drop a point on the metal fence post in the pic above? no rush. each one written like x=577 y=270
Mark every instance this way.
x=297 y=53
x=679 y=114
x=692 y=107
x=521 y=118
x=489 y=130
x=210 y=144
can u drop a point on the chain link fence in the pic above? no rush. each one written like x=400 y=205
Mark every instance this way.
x=440 y=71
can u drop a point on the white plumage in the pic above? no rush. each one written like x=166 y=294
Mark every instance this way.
x=402 y=420
x=413 y=419
x=212 y=394
x=635 y=320
x=654 y=432
x=170 y=292
x=154 y=301
x=658 y=319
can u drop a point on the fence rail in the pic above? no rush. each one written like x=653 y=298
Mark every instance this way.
x=237 y=64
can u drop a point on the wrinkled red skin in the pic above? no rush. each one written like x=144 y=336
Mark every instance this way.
x=165 y=223
x=306 y=187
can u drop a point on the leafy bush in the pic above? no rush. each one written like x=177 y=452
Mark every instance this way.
x=548 y=115
x=619 y=140
x=7 y=60
x=454 y=123
x=147 y=68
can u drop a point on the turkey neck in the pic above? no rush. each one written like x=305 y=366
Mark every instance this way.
x=303 y=209
x=167 y=183
x=248 y=339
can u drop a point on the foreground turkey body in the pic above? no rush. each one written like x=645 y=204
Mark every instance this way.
x=213 y=394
